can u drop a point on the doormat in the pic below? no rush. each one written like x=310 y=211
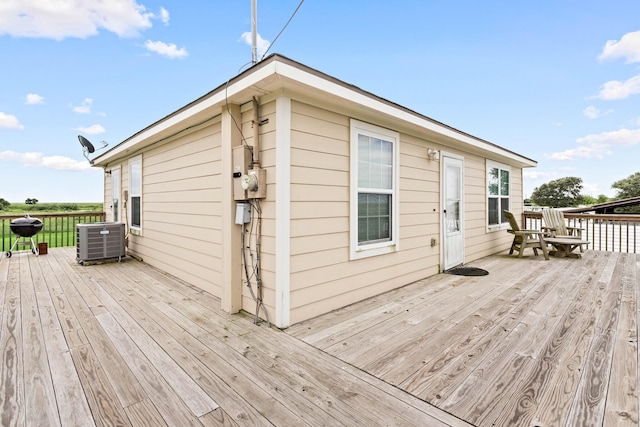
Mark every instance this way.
x=467 y=271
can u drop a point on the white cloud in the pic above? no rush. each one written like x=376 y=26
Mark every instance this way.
x=261 y=44
x=591 y=112
x=91 y=130
x=34 y=99
x=10 y=122
x=533 y=174
x=58 y=19
x=620 y=90
x=592 y=189
x=169 y=50
x=586 y=152
x=628 y=47
x=85 y=108
x=33 y=159
x=164 y=16
x=599 y=145
x=618 y=138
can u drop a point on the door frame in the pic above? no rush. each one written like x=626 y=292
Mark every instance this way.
x=443 y=204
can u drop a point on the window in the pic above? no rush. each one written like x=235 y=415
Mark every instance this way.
x=135 y=192
x=498 y=194
x=374 y=201
x=115 y=194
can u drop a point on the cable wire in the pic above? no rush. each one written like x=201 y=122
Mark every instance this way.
x=282 y=30
x=251 y=266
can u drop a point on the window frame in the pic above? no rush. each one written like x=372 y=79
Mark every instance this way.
x=503 y=223
x=134 y=193
x=116 y=194
x=363 y=250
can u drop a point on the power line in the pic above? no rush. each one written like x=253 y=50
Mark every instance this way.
x=282 y=30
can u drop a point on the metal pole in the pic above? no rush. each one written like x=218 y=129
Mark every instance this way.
x=254 y=31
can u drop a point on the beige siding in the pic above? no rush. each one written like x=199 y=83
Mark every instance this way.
x=322 y=276
x=107 y=200
x=478 y=241
x=181 y=211
x=267 y=206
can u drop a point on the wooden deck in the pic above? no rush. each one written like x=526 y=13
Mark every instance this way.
x=534 y=343
x=124 y=344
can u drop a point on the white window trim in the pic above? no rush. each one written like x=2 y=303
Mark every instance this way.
x=115 y=172
x=501 y=166
x=134 y=229
x=364 y=251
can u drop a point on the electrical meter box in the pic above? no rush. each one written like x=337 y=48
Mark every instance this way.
x=241 y=165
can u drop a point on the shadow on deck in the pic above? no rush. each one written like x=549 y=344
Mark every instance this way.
x=125 y=344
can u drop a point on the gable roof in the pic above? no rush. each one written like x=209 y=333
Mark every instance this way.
x=277 y=72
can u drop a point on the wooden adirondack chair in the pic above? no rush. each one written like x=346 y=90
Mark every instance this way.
x=556 y=226
x=523 y=239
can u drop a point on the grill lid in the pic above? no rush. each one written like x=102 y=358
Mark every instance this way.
x=26 y=227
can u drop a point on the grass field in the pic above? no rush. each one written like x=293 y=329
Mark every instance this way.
x=23 y=208
x=59 y=221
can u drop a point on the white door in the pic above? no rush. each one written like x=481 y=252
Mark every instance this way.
x=452 y=213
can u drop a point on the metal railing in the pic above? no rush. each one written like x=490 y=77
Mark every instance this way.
x=613 y=233
x=59 y=229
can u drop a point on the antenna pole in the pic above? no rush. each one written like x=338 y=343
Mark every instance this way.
x=254 y=31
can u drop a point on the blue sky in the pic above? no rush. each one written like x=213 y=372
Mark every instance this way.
x=557 y=81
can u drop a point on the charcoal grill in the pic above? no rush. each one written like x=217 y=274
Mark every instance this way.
x=25 y=228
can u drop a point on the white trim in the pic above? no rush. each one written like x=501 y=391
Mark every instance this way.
x=345 y=92
x=279 y=73
x=134 y=229
x=362 y=251
x=499 y=166
x=443 y=204
x=283 y=212
x=116 y=172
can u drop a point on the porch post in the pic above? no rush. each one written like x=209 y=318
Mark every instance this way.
x=231 y=300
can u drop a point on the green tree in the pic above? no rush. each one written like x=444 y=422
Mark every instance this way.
x=559 y=193
x=627 y=187
x=31 y=201
x=4 y=204
x=590 y=200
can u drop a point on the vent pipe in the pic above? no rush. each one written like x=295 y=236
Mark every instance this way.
x=256 y=133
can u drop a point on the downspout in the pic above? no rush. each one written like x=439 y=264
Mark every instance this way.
x=256 y=134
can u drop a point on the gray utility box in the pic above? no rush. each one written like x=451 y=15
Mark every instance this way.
x=100 y=240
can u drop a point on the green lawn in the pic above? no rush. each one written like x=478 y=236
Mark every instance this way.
x=59 y=222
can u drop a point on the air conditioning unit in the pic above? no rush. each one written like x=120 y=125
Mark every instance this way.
x=100 y=240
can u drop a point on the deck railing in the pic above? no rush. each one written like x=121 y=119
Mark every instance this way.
x=614 y=233
x=59 y=229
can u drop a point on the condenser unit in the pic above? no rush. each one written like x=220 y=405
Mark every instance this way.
x=100 y=240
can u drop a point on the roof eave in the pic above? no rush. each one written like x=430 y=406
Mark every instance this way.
x=277 y=71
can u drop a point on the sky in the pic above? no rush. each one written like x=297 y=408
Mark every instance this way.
x=557 y=81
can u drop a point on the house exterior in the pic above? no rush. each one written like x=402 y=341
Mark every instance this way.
x=350 y=195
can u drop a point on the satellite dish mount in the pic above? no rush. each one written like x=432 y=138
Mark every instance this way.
x=88 y=148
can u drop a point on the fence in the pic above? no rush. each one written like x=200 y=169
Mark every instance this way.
x=614 y=233
x=59 y=229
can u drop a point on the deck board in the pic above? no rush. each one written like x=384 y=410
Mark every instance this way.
x=545 y=343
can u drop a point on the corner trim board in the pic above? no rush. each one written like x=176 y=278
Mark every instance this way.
x=283 y=212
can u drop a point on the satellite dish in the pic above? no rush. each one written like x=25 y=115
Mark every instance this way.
x=86 y=145
x=88 y=148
